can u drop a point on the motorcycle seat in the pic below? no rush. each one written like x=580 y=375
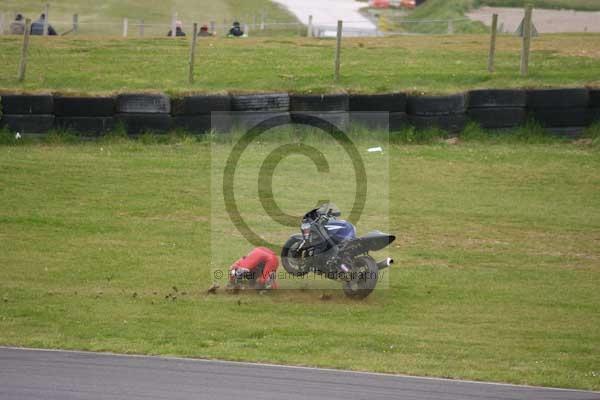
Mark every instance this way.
x=377 y=240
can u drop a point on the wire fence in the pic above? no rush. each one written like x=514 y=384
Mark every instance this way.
x=253 y=25
x=258 y=25
x=131 y=27
x=137 y=27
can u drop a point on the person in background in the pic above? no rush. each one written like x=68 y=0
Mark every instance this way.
x=37 y=27
x=17 y=27
x=204 y=31
x=178 y=30
x=236 y=30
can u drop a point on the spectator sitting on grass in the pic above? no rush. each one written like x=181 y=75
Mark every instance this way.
x=17 y=27
x=236 y=30
x=204 y=31
x=37 y=27
x=178 y=30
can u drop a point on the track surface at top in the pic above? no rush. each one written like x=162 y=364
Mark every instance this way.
x=65 y=375
x=327 y=13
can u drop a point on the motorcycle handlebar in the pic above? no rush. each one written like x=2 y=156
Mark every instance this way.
x=316 y=216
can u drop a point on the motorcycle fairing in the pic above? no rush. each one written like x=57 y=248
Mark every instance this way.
x=340 y=230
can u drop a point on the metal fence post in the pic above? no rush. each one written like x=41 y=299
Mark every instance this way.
x=193 y=54
x=338 y=49
x=47 y=16
x=526 y=40
x=492 y=55
x=125 y=27
x=174 y=25
x=23 y=63
x=309 y=31
x=75 y=23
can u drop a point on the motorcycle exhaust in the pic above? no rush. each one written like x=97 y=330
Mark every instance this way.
x=383 y=264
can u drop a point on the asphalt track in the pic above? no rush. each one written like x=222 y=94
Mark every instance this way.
x=65 y=375
x=326 y=13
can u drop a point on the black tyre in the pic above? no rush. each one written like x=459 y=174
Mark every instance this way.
x=561 y=117
x=289 y=259
x=250 y=119
x=89 y=125
x=261 y=102
x=365 y=274
x=339 y=119
x=392 y=102
x=327 y=102
x=450 y=123
x=594 y=98
x=497 y=118
x=84 y=106
x=497 y=98
x=144 y=123
x=558 y=98
x=193 y=123
x=32 y=123
x=198 y=105
x=398 y=121
x=19 y=104
x=437 y=105
x=377 y=121
x=143 y=103
x=594 y=115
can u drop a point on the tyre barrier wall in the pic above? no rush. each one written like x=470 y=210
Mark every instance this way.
x=561 y=111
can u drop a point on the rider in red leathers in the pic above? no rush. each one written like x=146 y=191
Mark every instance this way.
x=258 y=268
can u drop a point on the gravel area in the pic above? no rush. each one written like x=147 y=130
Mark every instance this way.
x=546 y=21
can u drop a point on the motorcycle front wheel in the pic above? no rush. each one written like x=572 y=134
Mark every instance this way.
x=364 y=278
x=291 y=260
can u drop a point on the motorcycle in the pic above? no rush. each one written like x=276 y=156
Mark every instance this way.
x=329 y=246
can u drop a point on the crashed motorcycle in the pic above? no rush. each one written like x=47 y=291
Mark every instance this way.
x=328 y=246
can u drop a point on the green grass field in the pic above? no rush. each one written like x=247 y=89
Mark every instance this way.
x=110 y=245
x=412 y=64
x=497 y=270
x=106 y=17
x=443 y=10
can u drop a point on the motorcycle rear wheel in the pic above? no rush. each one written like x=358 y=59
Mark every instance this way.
x=365 y=275
x=290 y=261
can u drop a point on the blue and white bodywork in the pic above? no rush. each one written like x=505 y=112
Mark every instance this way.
x=340 y=230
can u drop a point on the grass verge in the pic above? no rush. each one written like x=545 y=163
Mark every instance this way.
x=410 y=64
x=443 y=10
x=105 y=246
